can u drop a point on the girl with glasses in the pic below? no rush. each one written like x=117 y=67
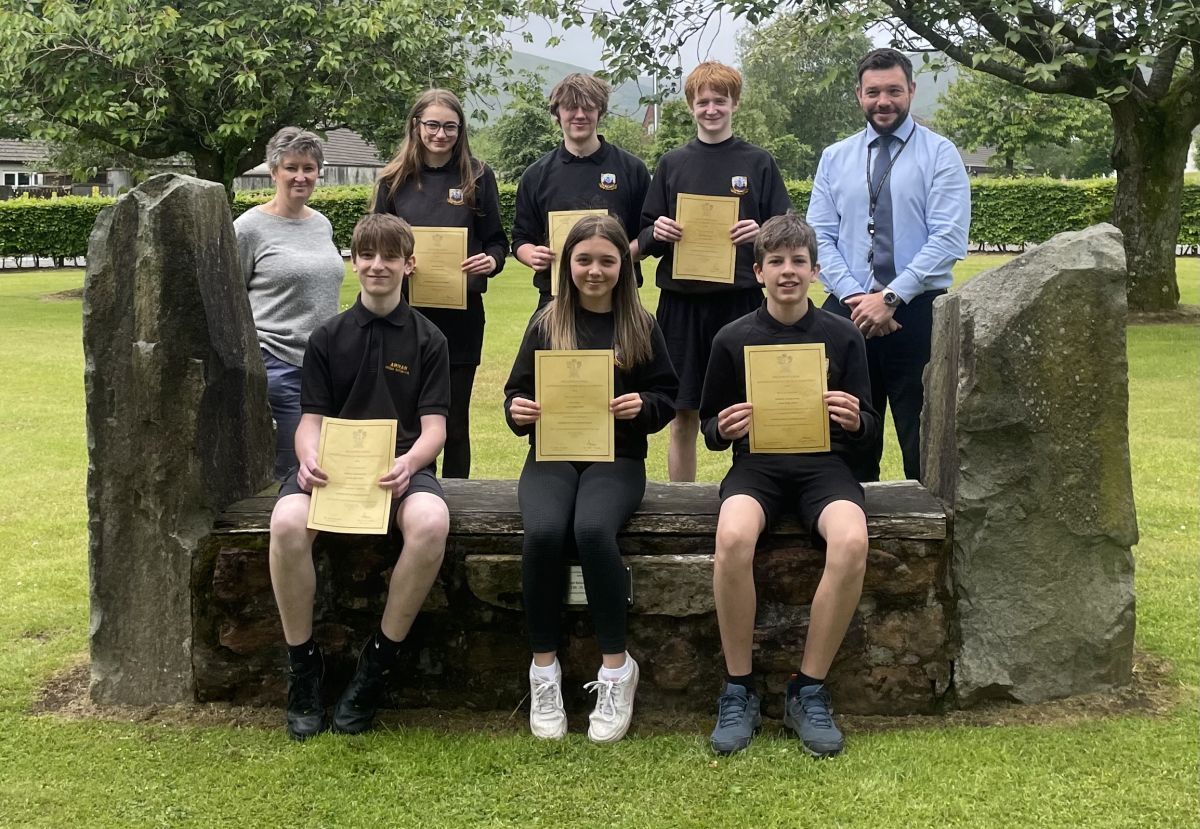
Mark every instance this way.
x=433 y=181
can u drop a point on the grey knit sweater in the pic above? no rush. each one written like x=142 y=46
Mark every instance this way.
x=293 y=273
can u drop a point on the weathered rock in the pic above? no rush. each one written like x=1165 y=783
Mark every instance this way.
x=1027 y=441
x=178 y=423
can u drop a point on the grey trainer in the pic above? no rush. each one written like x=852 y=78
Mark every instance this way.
x=809 y=713
x=738 y=719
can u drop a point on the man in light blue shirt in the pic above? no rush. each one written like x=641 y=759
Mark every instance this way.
x=891 y=206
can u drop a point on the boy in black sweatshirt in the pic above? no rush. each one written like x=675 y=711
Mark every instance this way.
x=820 y=486
x=584 y=172
x=691 y=312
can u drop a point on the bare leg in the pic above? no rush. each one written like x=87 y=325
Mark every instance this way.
x=293 y=577
x=844 y=527
x=425 y=522
x=739 y=525
x=681 y=453
x=545 y=660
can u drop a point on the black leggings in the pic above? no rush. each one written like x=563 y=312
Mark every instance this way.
x=456 y=456
x=606 y=494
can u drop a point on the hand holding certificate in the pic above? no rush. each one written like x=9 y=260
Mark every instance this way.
x=705 y=252
x=574 y=390
x=439 y=281
x=354 y=454
x=560 y=223
x=785 y=385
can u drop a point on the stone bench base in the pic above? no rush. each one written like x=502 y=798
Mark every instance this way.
x=468 y=647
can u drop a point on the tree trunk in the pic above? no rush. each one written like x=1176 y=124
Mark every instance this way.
x=215 y=166
x=1149 y=155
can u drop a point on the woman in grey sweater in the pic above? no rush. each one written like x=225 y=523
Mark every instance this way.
x=293 y=274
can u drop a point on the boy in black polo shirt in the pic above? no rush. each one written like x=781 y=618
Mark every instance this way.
x=582 y=173
x=377 y=360
x=758 y=486
x=690 y=312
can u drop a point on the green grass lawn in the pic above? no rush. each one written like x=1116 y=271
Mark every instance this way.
x=1130 y=771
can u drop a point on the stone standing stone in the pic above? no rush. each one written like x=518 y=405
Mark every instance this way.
x=1026 y=439
x=177 y=418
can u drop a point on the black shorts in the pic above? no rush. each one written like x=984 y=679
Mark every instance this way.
x=689 y=323
x=805 y=483
x=423 y=480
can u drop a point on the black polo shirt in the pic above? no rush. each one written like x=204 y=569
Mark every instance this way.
x=362 y=366
x=609 y=178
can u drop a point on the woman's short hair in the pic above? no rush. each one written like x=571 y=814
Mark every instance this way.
x=294 y=141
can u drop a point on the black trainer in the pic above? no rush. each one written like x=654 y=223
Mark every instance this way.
x=305 y=714
x=355 y=711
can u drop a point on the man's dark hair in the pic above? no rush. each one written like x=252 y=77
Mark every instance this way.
x=885 y=59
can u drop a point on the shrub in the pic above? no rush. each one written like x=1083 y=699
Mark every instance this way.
x=1003 y=212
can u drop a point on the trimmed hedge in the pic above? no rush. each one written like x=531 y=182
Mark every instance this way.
x=50 y=228
x=1003 y=212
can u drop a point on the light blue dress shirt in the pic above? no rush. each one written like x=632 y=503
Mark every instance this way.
x=931 y=212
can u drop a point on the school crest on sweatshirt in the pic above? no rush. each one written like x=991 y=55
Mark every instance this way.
x=739 y=185
x=455 y=196
x=608 y=181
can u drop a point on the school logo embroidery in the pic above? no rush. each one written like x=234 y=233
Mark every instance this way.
x=399 y=368
x=608 y=181
x=455 y=196
x=739 y=185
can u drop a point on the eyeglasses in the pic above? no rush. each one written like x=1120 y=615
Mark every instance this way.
x=434 y=127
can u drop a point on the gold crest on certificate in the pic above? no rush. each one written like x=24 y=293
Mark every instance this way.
x=355 y=454
x=705 y=253
x=559 y=223
x=439 y=280
x=785 y=385
x=574 y=389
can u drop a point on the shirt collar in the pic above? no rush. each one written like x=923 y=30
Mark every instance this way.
x=805 y=323
x=595 y=158
x=904 y=132
x=364 y=317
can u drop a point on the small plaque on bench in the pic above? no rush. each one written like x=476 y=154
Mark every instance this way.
x=577 y=593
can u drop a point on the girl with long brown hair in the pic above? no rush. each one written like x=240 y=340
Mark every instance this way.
x=434 y=181
x=597 y=307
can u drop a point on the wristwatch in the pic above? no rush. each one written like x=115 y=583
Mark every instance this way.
x=890 y=298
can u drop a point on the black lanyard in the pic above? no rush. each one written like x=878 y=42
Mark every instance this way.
x=873 y=192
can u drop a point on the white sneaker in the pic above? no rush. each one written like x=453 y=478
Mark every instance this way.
x=614 y=706
x=547 y=718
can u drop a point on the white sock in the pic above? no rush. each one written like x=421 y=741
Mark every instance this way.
x=544 y=673
x=619 y=673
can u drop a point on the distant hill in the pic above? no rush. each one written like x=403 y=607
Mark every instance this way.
x=624 y=99
x=929 y=87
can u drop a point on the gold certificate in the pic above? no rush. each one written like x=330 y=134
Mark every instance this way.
x=786 y=385
x=560 y=223
x=705 y=252
x=355 y=454
x=574 y=389
x=439 y=280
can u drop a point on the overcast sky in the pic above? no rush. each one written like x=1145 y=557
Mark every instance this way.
x=717 y=42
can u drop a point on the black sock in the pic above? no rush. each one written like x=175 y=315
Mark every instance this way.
x=385 y=649
x=746 y=682
x=304 y=653
x=803 y=680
